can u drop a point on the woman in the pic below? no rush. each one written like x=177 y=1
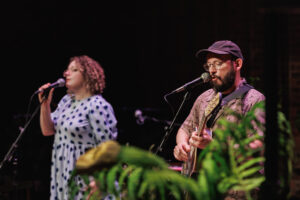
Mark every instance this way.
x=82 y=120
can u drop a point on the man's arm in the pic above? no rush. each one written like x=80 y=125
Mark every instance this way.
x=182 y=148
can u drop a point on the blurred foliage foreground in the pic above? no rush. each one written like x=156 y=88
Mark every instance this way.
x=227 y=163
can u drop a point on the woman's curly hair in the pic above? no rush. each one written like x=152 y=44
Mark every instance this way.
x=92 y=72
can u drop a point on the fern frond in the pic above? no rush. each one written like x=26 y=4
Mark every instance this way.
x=204 y=185
x=111 y=178
x=101 y=178
x=143 y=189
x=250 y=163
x=124 y=174
x=222 y=164
x=248 y=154
x=174 y=191
x=160 y=178
x=139 y=157
x=133 y=182
x=227 y=183
x=249 y=184
x=250 y=172
x=211 y=169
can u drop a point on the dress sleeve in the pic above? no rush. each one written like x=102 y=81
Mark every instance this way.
x=103 y=121
x=60 y=106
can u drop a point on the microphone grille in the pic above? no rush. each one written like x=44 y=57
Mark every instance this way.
x=206 y=77
x=61 y=82
x=137 y=113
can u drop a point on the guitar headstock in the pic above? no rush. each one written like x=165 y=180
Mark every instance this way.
x=213 y=103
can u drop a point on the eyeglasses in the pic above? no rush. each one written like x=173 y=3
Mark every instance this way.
x=216 y=65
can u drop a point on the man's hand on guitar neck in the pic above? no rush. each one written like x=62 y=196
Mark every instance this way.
x=202 y=140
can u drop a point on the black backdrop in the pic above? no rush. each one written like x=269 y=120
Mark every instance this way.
x=146 y=48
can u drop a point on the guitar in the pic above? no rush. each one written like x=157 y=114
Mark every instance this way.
x=189 y=166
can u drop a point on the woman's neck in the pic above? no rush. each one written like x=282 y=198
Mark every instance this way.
x=82 y=94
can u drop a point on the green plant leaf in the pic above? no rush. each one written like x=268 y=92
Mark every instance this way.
x=133 y=182
x=250 y=163
x=139 y=157
x=250 y=171
x=111 y=178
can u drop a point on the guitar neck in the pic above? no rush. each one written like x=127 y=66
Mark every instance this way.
x=190 y=165
x=201 y=126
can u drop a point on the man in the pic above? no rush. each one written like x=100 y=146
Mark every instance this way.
x=224 y=61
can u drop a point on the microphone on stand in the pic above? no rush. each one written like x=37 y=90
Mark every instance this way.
x=59 y=83
x=140 y=119
x=204 y=78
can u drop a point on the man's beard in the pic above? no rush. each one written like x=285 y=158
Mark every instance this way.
x=227 y=81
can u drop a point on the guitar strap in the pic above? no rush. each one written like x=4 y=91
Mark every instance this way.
x=237 y=93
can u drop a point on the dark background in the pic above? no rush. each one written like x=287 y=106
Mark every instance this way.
x=146 y=48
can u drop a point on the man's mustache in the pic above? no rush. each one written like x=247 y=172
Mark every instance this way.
x=214 y=76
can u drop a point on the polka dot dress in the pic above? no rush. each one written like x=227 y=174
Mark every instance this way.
x=79 y=125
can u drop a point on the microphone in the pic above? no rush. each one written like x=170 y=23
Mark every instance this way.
x=140 y=119
x=59 y=83
x=204 y=78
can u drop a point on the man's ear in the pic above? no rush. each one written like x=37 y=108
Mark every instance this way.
x=239 y=64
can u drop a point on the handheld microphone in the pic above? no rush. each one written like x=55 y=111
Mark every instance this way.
x=59 y=83
x=204 y=78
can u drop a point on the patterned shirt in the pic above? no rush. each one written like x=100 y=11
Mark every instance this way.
x=240 y=105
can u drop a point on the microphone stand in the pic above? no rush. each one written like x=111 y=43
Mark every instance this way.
x=14 y=146
x=171 y=126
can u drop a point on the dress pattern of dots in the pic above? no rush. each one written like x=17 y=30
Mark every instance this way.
x=79 y=126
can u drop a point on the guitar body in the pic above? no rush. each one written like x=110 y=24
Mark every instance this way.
x=189 y=166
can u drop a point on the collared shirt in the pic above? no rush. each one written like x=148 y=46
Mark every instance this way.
x=240 y=105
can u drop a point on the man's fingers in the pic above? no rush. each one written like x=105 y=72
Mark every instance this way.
x=180 y=153
x=186 y=148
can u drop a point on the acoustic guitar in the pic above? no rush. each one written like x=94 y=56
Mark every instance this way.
x=189 y=166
